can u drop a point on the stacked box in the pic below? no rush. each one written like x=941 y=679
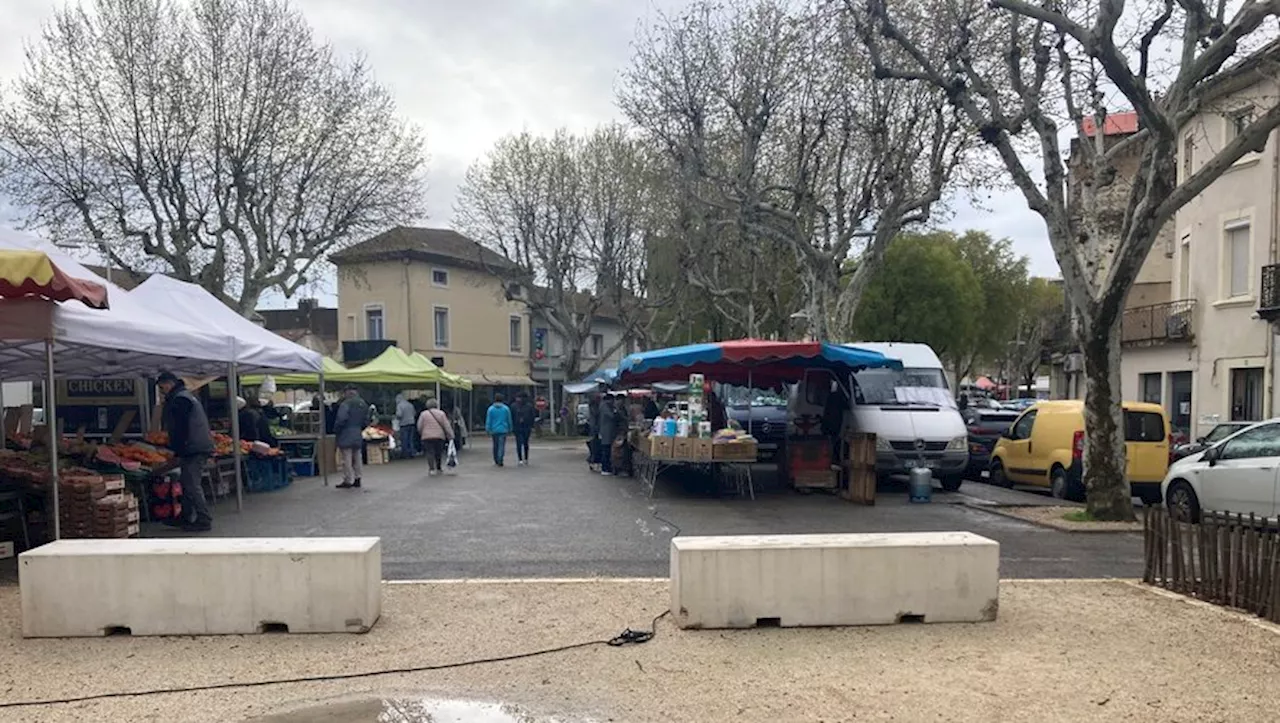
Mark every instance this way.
x=96 y=507
x=702 y=450
x=735 y=451
x=682 y=448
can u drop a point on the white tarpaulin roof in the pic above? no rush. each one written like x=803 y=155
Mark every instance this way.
x=256 y=349
x=128 y=339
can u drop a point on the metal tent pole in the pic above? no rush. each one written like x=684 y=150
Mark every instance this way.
x=324 y=468
x=51 y=426
x=233 y=391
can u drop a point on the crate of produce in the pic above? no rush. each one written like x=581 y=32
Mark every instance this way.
x=739 y=451
x=682 y=448
x=703 y=450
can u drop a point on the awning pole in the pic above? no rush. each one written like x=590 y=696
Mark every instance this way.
x=750 y=406
x=233 y=391
x=144 y=409
x=324 y=468
x=51 y=426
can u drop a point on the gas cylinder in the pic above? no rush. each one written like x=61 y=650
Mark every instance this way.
x=920 y=485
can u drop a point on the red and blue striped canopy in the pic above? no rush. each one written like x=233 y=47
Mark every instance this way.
x=760 y=362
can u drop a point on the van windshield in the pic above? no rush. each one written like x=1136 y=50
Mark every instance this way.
x=902 y=386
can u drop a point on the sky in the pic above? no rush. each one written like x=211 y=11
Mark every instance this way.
x=469 y=72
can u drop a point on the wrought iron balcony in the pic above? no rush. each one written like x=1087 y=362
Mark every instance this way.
x=1172 y=322
x=1269 y=298
x=358 y=352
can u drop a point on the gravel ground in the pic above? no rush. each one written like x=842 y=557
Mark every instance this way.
x=1054 y=517
x=1060 y=651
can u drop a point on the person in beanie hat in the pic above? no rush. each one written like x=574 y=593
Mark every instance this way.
x=348 y=428
x=192 y=443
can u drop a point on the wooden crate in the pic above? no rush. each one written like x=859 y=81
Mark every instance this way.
x=702 y=450
x=859 y=468
x=682 y=448
x=813 y=479
x=735 y=451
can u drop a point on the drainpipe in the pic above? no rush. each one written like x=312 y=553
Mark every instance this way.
x=408 y=305
x=1268 y=373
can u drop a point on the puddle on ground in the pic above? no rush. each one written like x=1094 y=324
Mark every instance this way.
x=409 y=710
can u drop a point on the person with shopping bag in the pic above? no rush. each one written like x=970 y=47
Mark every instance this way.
x=435 y=430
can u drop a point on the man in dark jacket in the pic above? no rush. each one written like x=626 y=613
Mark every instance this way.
x=608 y=431
x=524 y=415
x=192 y=443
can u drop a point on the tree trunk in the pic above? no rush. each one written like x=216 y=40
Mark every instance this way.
x=1106 y=486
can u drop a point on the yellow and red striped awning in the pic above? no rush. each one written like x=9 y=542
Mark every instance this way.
x=34 y=274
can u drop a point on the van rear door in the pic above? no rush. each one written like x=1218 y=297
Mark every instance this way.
x=1146 y=446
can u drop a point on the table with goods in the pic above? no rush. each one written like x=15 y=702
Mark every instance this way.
x=687 y=440
x=106 y=488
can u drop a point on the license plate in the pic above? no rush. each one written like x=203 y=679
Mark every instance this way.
x=930 y=464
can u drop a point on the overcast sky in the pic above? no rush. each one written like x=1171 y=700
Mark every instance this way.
x=470 y=71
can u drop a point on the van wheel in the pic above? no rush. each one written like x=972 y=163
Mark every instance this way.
x=952 y=483
x=1058 y=483
x=998 y=477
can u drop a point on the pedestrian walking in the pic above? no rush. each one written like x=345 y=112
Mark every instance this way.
x=608 y=429
x=407 y=431
x=348 y=428
x=498 y=424
x=435 y=431
x=192 y=443
x=593 y=433
x=524 y=416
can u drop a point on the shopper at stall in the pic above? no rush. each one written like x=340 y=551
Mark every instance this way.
x=406 y=418
x=192 y=443
x=348 y=428
x=498 y=424
x=593 y=433
x=435 y=431
x=524 y=416
x=608 y=430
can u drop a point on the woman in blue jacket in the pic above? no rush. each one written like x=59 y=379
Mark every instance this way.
x=497 y=423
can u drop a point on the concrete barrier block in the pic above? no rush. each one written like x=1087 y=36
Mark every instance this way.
x=839 y=579
x=211 y=586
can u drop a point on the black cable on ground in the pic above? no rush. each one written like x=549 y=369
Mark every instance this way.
x=626 y=637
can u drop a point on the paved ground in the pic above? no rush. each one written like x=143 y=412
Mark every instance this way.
x=1059 y=652
x=554 y=519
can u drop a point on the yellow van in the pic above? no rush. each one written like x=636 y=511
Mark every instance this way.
x=1044 y=447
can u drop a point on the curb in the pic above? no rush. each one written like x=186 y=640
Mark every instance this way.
x=1065 y=527
x=1239 y=615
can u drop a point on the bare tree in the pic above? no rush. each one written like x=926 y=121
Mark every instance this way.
x=215 y=140
x=572 y=216
x=1026 y=72
x=776 y=126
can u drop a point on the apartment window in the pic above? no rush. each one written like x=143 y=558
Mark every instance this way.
x=440 y=277
x=1246 y=395
x=1150 y=386
x=1236 y=251
x=515 y=329
x=595 y=346
x=1237 y=122
x=1184 y=268
x=374 y=327
x=1188 y=156
x=440 y=319
x=515 y=291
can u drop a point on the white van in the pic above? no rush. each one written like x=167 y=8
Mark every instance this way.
x=912 y=412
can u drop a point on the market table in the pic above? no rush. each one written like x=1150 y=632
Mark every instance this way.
x=648 y=468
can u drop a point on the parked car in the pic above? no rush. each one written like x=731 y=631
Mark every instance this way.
x=985 y=426
x=1045 y=447
x=1215 y=435
x=1019 y=405
x=1237 y=474
x=766 y=419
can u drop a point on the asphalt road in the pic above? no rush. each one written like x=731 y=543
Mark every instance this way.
x=555 y=519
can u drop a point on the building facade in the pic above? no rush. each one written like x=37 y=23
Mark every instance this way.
x=1216 y=357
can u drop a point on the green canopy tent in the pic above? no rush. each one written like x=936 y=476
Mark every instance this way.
x=331 y=369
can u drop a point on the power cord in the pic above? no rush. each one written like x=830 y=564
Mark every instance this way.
x=626 y=637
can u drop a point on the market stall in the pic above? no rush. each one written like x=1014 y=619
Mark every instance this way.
x=697 y=431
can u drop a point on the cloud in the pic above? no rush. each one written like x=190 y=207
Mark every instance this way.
x=469 y=72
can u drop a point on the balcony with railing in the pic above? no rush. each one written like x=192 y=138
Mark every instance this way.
x=1172 y=322
x=1269 y=296
x=358 y=352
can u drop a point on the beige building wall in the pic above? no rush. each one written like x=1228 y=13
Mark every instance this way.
x=1233 y=348
x=478 y=336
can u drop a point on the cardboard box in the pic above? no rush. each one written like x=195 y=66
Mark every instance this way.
x=735 y=451
x=702 y=450
x=661 y=447
x=682 y=448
